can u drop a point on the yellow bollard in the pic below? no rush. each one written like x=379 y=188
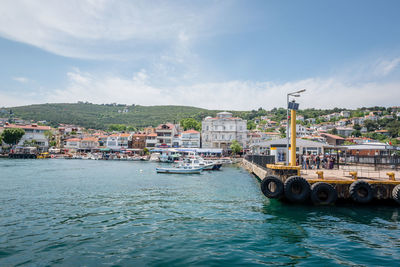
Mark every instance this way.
x=354 y=175
x=320 y=174
x=391 y=176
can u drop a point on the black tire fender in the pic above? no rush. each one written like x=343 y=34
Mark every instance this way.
x=272 y=187
x=396 y=193
x=297 y=189
x=361 y=192
x=323 y=194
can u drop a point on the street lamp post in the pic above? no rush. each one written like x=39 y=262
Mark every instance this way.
x=293 y=94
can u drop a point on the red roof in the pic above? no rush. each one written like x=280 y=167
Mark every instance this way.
x=191 y=131
x=73 y=140
x=90 y=139
x=169 y=125
x=332 y=136
x=45 y=128
x=152 y=134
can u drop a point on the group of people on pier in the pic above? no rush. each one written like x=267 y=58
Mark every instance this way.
x=311 y=161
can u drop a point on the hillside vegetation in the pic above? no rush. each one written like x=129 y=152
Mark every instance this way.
x=102 y=116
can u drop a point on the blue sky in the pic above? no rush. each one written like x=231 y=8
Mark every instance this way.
x=214 y=54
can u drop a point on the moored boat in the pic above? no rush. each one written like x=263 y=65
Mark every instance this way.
x=180 y=170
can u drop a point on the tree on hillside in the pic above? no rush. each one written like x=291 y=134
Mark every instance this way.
x=190 y=123
x=333 y=131
x=282 y=131
x=356 y=133
x=236 y=147
x=117 y=127
x=371 y=125
x=357 y=127
x=251 y=125
x=394 y=128
x=12 y=136
x=49 y=135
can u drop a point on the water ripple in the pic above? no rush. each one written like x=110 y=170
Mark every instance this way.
x=95 y=213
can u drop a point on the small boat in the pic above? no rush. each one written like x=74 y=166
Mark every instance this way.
x=180 y=170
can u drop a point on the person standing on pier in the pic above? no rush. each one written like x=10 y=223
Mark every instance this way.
x=318 y=161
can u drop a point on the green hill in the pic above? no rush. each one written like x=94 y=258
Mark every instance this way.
x=101 y=116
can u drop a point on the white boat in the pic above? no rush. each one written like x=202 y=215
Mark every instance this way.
x=180 y=170
x=155 y=157
x=195 y=160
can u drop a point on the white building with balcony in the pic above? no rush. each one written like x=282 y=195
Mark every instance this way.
x=117 y=141
x=219 y=132
x=165 y=135
x=190 y=139
x=151 y=140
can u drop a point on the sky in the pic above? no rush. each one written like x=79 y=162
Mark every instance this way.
x=233 y=55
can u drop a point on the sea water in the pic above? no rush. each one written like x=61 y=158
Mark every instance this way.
x=100 y=213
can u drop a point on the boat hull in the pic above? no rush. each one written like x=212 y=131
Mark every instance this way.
x=179 y=170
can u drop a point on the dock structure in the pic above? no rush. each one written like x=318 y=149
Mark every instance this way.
x=322 y=187
x=325 y=187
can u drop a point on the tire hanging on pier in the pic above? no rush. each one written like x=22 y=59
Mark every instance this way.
x=323 y=194
x=297 y=189
x=272 y=187
x=361 y=192
x=396 y=193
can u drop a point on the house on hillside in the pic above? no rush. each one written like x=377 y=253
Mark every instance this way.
x=332 y=139
x=345 y=131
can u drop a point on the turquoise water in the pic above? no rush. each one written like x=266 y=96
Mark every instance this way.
x=95 y=213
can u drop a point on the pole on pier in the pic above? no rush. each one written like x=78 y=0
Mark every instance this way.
x=293 y=137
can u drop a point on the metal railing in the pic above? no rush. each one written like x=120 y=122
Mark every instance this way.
x=261 y=160
x=376 y=161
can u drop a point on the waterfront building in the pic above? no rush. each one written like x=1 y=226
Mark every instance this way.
x=165 y=134
x=149 y=130
x=219 y=132
x=72 y=144
x=151 y=140
x=33 y=133
x=137 y=141
x=190 y=139
x=117 y=141
x=89 y=143
x=278 y=148
x=371 y=149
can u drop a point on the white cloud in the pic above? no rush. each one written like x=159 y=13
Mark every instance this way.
x=21 y=79
x=238 y=95
x=385 y=67
x=104 y=29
